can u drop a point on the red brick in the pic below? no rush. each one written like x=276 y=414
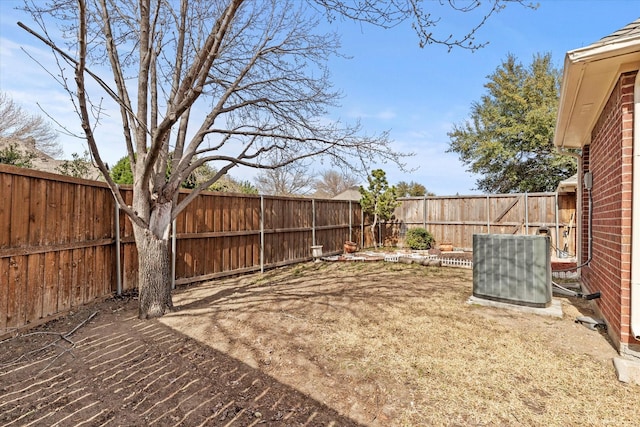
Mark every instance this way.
x=609 y=157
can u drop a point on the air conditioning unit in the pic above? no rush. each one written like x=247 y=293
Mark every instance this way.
x=512 y=269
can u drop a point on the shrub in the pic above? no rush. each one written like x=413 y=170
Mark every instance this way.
x=418 y=239
x=12 y=155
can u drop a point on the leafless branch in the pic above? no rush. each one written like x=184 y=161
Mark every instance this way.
x=422 y=15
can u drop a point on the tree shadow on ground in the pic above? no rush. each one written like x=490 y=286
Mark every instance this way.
x=289 y=323
x=119 y=370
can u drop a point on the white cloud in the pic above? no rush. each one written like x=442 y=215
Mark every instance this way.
x=385 y=115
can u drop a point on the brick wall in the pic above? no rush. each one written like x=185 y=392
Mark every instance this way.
x=609 y=159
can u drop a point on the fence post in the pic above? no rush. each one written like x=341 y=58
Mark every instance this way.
x=526 y=213
x=350 y=222
x=424 y=211
x=118 y=264
x=261 y=234
x=313 y=222
x=174 y=246
x=488 y=216
x=361 y=227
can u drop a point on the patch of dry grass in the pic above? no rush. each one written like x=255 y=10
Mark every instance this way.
x=395 y=344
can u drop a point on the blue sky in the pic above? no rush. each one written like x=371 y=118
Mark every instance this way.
x=389 y=82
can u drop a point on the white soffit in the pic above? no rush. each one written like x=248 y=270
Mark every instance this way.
x=590 y=74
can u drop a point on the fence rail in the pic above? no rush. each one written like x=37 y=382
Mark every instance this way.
x=62 y=243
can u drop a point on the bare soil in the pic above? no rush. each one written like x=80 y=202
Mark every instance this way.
x=342 y=344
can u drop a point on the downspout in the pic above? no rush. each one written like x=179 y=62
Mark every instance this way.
x=635 y=216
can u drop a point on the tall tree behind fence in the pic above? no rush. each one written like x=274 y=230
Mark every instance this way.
x=59 y=246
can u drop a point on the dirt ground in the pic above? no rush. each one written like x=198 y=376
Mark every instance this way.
x=326 y=344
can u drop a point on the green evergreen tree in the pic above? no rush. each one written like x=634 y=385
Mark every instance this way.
x=509 y=137
x=412 y=189
x=121 y=172
x=378 y=200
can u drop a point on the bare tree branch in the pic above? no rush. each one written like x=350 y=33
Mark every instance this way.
x=391 y=13
x=55 y=343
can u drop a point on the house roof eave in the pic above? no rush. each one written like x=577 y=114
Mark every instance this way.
x=588 y=78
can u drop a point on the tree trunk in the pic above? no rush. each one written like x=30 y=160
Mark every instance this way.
x=154 y=267
x=154 y=275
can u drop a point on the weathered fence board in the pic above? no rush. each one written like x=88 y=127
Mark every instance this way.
x=56 y=245
x=5 y=209
x=4 y=293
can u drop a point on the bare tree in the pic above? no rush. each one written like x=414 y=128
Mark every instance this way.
x=292 y=179
x=24 y=129
x=226 y=82
x=331 y=183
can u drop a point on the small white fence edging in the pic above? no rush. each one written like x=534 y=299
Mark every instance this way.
x=456 y=262
x=445 y=262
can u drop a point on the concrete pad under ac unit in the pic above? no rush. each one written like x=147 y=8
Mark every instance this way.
x=554 y=309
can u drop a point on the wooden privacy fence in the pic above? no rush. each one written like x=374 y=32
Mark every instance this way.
x=455 y=219
x=63 y=242
x=222 y=234
x=56 y=245
x=60 y=238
